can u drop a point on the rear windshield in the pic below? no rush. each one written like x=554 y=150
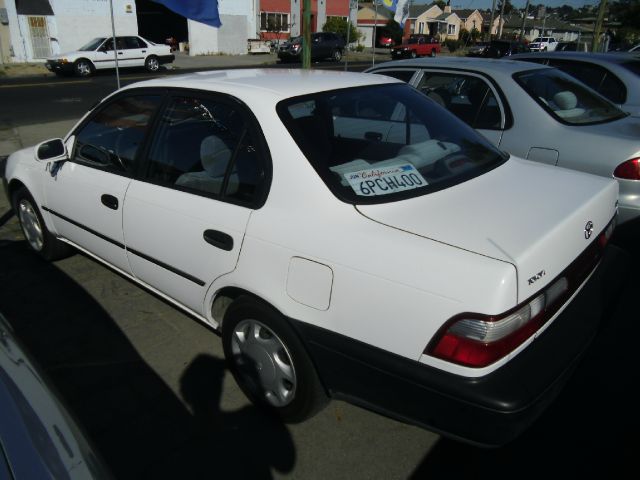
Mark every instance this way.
x=566 y=99
x=383 y=143
x=633 y=66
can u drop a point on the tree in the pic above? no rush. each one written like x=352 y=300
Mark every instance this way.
x=339 y=25
x=507 y=7
x=441 y=4
x=395 y=30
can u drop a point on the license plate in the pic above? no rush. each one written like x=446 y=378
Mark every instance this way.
x=385 y=180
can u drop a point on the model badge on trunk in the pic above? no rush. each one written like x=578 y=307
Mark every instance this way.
x=588 y=230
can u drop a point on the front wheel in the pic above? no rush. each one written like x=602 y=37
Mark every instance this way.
x=34 y=229
x=433 y=53
x=83 y=68
x=152 y=64
x=337 y=55
x=413 y=54
x=269 y=362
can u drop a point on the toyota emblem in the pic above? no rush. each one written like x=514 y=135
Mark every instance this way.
x=588 y=230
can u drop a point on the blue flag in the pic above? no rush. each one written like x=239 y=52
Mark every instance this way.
x=203 y=11
x=400 y=8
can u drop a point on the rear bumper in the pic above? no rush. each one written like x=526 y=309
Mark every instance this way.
x=166 y=59
x=488 y=411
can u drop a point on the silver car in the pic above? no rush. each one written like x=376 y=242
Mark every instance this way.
x=535 y=112
x=613 y=75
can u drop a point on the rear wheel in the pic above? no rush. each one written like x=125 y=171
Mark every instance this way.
x=433 y=52
x=413 y=54
x=337 y=55
x=34 y=229
x=269 y=362
x=152 y=64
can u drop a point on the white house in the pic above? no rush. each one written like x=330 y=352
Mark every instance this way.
x=39 y=28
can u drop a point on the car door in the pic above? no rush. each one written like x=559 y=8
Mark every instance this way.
x=185 y=219
x=103 y=56
x=135 y=52
x=85 y=194
x=468 y=96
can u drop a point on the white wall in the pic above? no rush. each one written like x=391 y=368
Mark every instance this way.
x=322 y=15
x=73 y=24
x=238 y=19
x=295 y=18
x=366 y=35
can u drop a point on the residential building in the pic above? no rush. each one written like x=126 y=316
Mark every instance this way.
x=281 y=19
x=5 y=38
x=369 y=19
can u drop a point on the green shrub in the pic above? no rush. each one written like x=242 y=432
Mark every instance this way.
x=452 y=45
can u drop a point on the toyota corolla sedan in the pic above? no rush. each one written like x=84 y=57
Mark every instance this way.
x=98 y=54
x=535 y=112
x=347 y=236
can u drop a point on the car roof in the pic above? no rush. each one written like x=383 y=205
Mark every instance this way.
x=489 y=66
x=279 y=83
x=584 y=56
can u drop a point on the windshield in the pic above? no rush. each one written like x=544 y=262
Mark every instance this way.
x=92 y=45
x=384 y=143
x=566 y=99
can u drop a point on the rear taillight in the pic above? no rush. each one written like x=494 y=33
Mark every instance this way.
x=629 y=170
x=479 y=340
x=476 y=340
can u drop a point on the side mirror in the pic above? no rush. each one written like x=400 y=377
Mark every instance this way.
x=51 y=150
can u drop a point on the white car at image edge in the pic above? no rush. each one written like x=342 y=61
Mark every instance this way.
x=98 y=54
x=348 y=237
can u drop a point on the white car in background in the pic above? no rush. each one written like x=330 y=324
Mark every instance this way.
x=347 y=236
x=543 y=44
x=98 y=54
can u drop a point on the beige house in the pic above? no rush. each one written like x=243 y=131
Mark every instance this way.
x=435 y=21
x=495 y=27
x=470 y=19
x=425 y=21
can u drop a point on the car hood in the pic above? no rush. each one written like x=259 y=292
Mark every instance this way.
x=524 y=213
x=71 y=53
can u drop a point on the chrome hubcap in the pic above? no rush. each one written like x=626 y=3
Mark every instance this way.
x=30 y=225
x=264 y=362
x=153 y=64
x=83 y=69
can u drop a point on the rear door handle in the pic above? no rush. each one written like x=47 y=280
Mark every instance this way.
x=144 y=51
x=218 y=239
x=109 y=201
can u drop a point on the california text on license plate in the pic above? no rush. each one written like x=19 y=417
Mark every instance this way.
x=385 y=180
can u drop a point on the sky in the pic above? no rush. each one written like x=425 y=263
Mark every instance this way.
x=482 y=4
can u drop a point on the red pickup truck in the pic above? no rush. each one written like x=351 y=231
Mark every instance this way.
x=417 y=45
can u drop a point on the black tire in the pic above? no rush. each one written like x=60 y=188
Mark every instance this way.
x=152 y=64
x=433 y=52
x=83 y=68
x=27 y=211
x=336 y=56
x=248 y=319
x=413 y=54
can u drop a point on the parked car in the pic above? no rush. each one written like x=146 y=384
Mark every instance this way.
x=298 y=212
x=635 y=48
x=98 y=54
x=417 y=45
x=615 y=76
x=504 y=48
x=572 y=47
x=38 y=436
x=543 y=44
x=324 y=45
x=536 y=112
x=477 y=49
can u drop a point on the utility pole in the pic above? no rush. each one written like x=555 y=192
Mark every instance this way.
x=493 y=13
x=524 y=20
x=501 y=23
x=306 y=34
x=375 y=26
x=115 y=47
x=595 y=43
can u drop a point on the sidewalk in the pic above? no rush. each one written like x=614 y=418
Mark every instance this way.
x=15 y=138
x=200 y=62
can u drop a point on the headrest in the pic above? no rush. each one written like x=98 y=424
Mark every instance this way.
x=565 y=100
x=214 y=155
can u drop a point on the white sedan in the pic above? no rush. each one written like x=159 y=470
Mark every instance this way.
x=348 y=237
x=98 y=54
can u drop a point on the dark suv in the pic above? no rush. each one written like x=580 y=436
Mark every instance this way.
x=323 y=45
x=504 y=48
